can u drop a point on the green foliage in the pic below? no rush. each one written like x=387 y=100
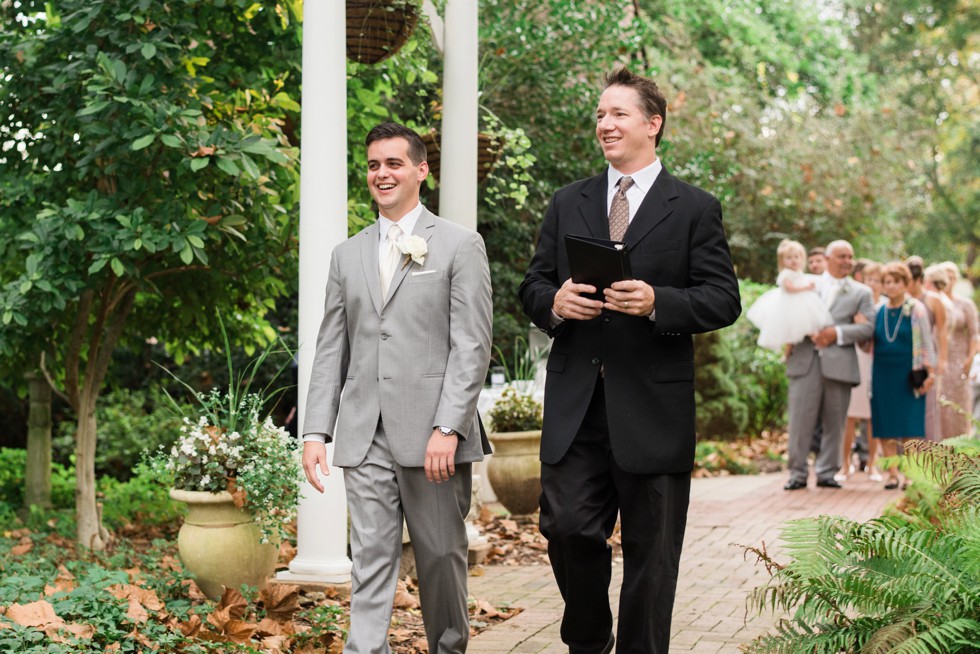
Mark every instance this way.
x=13 y=463
x=130 y=422
x=523 y=364
x=516 y=410
x=715 y=456
x=140 y=500
x=88 y=600
x=891 y=585
x=721 y=412
x=326 y=622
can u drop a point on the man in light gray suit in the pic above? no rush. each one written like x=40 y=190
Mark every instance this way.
x=823 y=368
x=401 y=357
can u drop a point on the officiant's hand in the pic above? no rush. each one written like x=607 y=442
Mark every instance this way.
x=631 y=296
x=570 y=305
x=315 y=454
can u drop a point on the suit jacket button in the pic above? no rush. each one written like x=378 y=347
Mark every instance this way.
x=595 y=361
x=384 y=337
x=606 y=319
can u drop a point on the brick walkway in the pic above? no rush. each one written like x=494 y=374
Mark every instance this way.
x=709 y=612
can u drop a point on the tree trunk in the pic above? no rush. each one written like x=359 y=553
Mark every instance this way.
x=37 y=477
x=89 y=530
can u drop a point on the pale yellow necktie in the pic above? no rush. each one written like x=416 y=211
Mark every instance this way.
x=619 y=212
x=390 y=259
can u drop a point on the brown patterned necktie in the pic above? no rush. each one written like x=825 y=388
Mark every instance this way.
x=619 y=212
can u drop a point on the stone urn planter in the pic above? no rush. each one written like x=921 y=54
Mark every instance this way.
x=514 y=470
x=377 y=29
x=221 y=545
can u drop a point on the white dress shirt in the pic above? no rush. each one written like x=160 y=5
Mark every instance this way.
x=407 y=223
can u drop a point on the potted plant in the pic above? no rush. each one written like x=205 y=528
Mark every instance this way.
x=377 y=29
x=515 y=419
x=239 y=475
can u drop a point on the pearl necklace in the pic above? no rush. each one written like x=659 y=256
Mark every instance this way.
x=901 y=314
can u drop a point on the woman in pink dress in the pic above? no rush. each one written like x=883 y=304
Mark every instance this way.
x=963 y=344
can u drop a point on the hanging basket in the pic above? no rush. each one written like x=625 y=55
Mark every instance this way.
x=377 y=29
x=487 y=149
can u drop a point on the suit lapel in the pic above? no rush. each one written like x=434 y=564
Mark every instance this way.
x=593 y=210
x=654 y=208
x=369 y=259
x=424 y=227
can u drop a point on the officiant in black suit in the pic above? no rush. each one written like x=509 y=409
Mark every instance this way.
x=618 y=433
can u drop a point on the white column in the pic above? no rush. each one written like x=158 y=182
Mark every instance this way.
x=457 y=186
x=322 y=523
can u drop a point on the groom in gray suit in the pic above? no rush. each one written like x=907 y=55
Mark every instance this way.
x=823 y=368
x=401 y=357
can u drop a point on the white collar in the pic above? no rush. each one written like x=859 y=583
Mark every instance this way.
x=643 y=179
x=406 y=222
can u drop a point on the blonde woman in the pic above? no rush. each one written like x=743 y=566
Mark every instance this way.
x=955 y=389
x=902 y=370
x=935 y=303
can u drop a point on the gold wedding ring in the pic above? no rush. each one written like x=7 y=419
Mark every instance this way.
x=626 y=305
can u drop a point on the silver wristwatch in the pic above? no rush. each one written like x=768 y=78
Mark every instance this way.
x=448 y=431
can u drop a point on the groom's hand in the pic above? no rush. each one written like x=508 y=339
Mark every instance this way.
x=440 y=456
x=315 y=454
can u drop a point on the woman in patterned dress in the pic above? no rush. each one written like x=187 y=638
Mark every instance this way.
x=963 y=343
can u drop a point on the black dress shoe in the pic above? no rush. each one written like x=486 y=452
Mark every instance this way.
x=828 y=483
x=605 y=650
x=794 y=485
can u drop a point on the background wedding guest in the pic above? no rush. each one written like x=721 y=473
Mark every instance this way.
x=963 y=345
x=816 y=261
x=935 y=304
x=902 y=343
x=859 y=410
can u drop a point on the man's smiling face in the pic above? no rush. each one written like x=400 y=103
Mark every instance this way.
x=627 y=137
x=393 y=178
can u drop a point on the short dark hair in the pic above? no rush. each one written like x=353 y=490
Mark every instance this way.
x=817 y=250
x=416 y=147
x=652 y=100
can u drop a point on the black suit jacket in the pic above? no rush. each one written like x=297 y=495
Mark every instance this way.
x=677 y=245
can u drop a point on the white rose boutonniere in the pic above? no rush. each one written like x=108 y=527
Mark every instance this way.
x=414 y=248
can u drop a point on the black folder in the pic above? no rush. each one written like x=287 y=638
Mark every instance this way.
x=597 y=261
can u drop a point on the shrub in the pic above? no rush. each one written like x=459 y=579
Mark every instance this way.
x=13 y=463
x=721 y=412
x=140 y=499
x=129 y=422
x=894 y=584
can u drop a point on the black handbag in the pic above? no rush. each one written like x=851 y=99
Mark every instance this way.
x=917 y=378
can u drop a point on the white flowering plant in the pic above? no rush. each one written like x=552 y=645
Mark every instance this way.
x=233 y=445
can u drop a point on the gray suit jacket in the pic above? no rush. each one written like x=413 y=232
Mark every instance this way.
x=838 y=362
x=416 y=359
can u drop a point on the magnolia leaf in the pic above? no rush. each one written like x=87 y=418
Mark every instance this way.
x=143 y=141
x=117 y=266
x=196 y=241
x=171 y=141
x=199 y=163
x=228 y=166
x=148 y=50
x=280 y=600
x=187 y=254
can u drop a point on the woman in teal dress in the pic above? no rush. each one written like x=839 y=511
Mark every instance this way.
x=902 y=343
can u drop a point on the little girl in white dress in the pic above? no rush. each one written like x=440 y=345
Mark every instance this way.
x=793 y=310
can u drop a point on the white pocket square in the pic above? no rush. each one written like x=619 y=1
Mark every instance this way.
x=424 y=272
